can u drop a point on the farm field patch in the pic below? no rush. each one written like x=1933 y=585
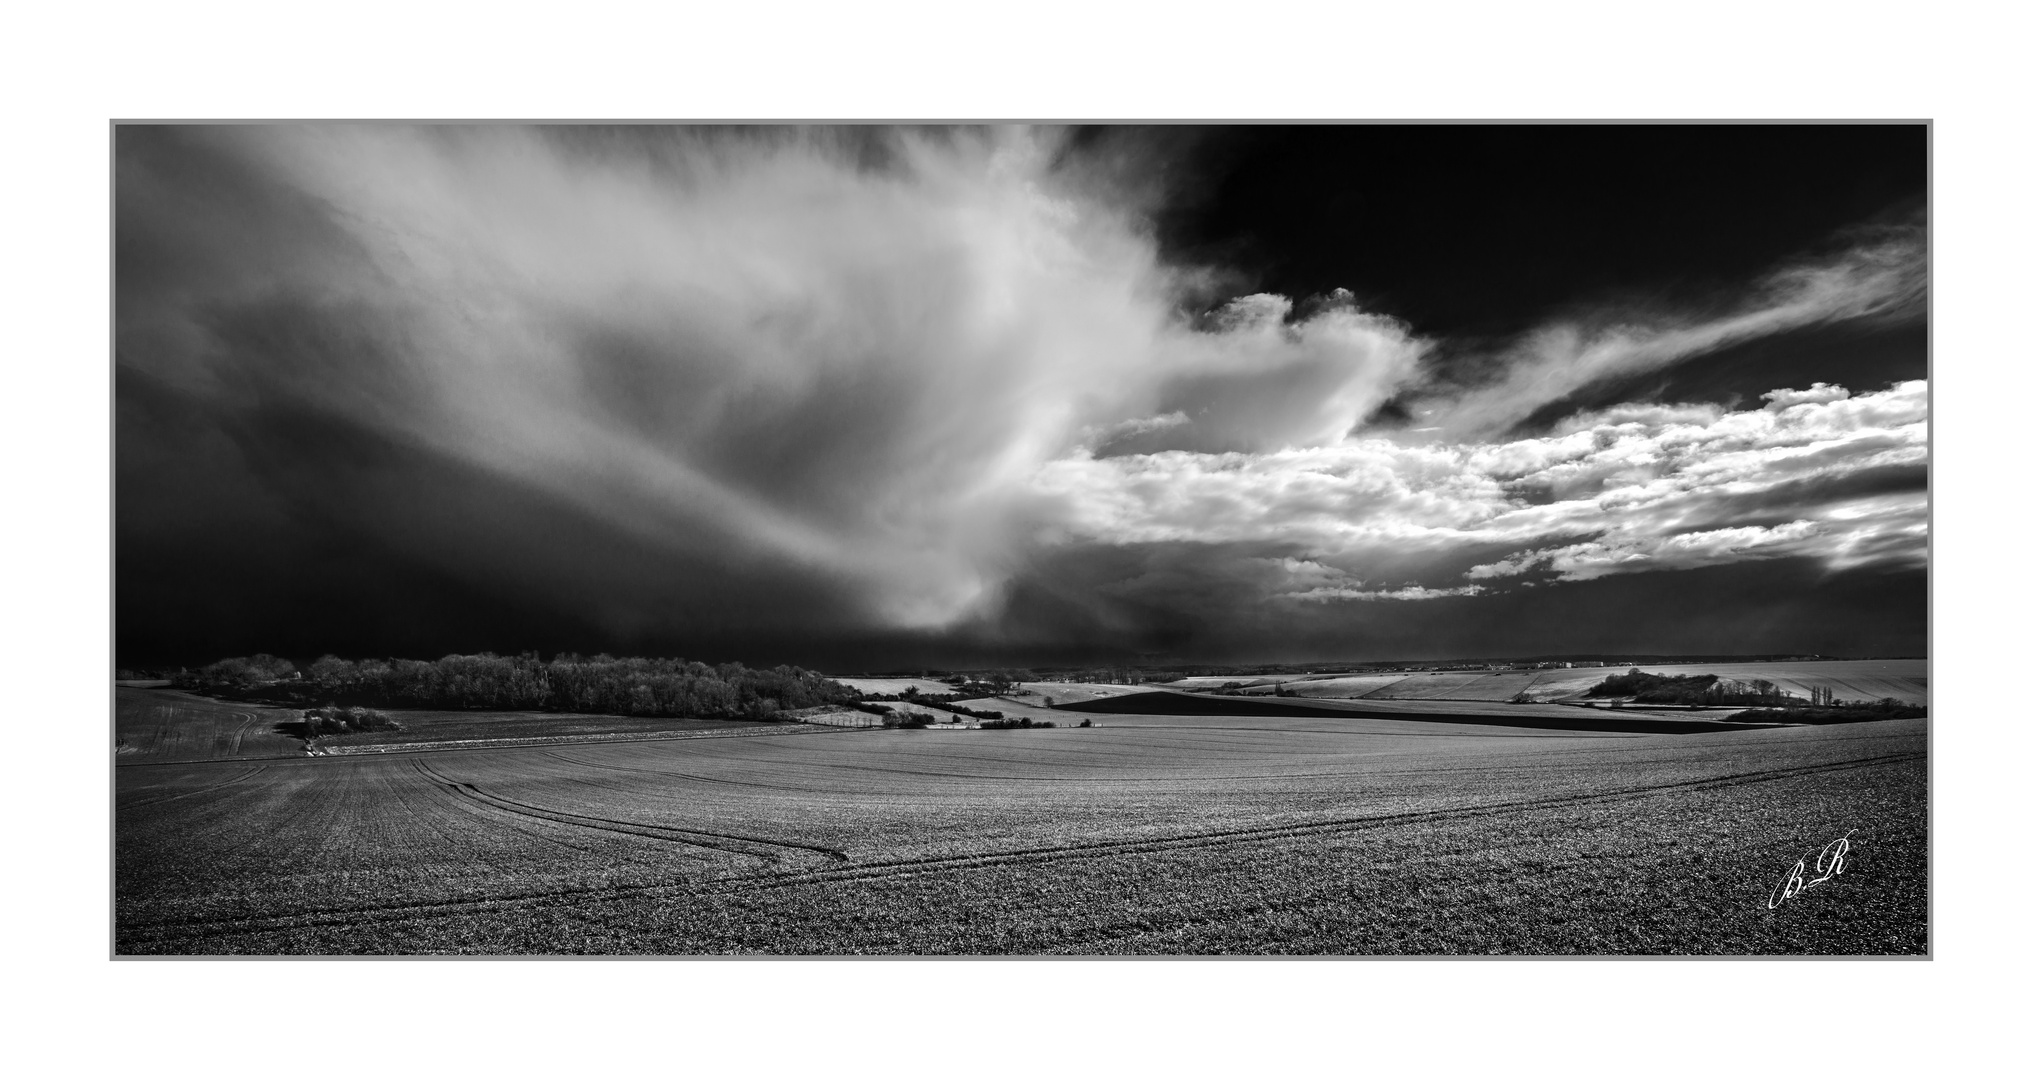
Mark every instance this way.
x=1144 y=833
x=1343 y=686
x=893 y=686
x=1079 y=691
x=153 y=724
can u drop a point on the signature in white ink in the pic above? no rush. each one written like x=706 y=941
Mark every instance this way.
x=1829 y=864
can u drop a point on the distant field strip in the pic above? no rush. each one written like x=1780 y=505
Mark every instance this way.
x=1167 y=702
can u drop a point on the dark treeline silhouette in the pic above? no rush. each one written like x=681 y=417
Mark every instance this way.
x=1852 y=713
x=630 y=686
x=1650 y=689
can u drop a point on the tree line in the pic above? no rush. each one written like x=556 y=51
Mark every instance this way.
x=630 y=686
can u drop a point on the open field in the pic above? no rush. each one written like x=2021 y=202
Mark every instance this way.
x=893 y=686
x=1327 y=832
x=1078 y=691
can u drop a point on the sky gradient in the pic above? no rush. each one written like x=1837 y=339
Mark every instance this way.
x=881 y=399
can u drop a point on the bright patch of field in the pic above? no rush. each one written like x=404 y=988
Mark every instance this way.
x=894 y=686
x=1080 y=691
x=1344 y=686
x=1463 y=686
x=1216 y=834
x=1208 y=682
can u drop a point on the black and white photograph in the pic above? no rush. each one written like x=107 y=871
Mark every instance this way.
x=1062 y=539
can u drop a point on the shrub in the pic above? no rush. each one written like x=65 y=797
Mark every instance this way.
x=333 y=720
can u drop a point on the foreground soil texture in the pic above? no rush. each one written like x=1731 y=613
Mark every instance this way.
x=1330 y=833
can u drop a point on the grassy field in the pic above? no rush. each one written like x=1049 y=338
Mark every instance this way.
x=152 y=724
x=1325 y=833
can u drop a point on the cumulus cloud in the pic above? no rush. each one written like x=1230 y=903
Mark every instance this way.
x=878 y=374
x=1630 y=488
x=845 y=352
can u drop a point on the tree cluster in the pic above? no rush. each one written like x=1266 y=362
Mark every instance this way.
x=630 y=686
x=334 y=720
x=1647 y=688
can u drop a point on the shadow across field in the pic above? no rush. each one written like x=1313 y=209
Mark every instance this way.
x=1174 y=703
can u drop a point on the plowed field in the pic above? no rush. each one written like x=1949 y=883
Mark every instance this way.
x=1150 y=833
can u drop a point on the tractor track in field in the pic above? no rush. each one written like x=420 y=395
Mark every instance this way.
x=775 y=850
x=164 y=932
x=227 y=783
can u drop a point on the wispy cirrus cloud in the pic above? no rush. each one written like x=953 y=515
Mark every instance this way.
x=1884 y=274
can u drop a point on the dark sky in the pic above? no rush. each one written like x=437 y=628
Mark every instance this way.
x=874 y=400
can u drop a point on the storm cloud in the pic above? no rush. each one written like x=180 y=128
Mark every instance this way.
x=690 y=386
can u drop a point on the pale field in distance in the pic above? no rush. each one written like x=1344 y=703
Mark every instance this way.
x=893 y=686
x=1862 y=680
x=1077 y=691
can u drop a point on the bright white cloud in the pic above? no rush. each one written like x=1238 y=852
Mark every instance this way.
x=1654 y=488
x=770 y=340
x=902 y=366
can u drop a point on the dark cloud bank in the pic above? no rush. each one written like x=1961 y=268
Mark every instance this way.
x=887 y=399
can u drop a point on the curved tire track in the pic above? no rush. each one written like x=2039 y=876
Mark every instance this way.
x=774 y=850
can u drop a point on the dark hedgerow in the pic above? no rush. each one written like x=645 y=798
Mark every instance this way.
x=1856 y=712
x=628 y=686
